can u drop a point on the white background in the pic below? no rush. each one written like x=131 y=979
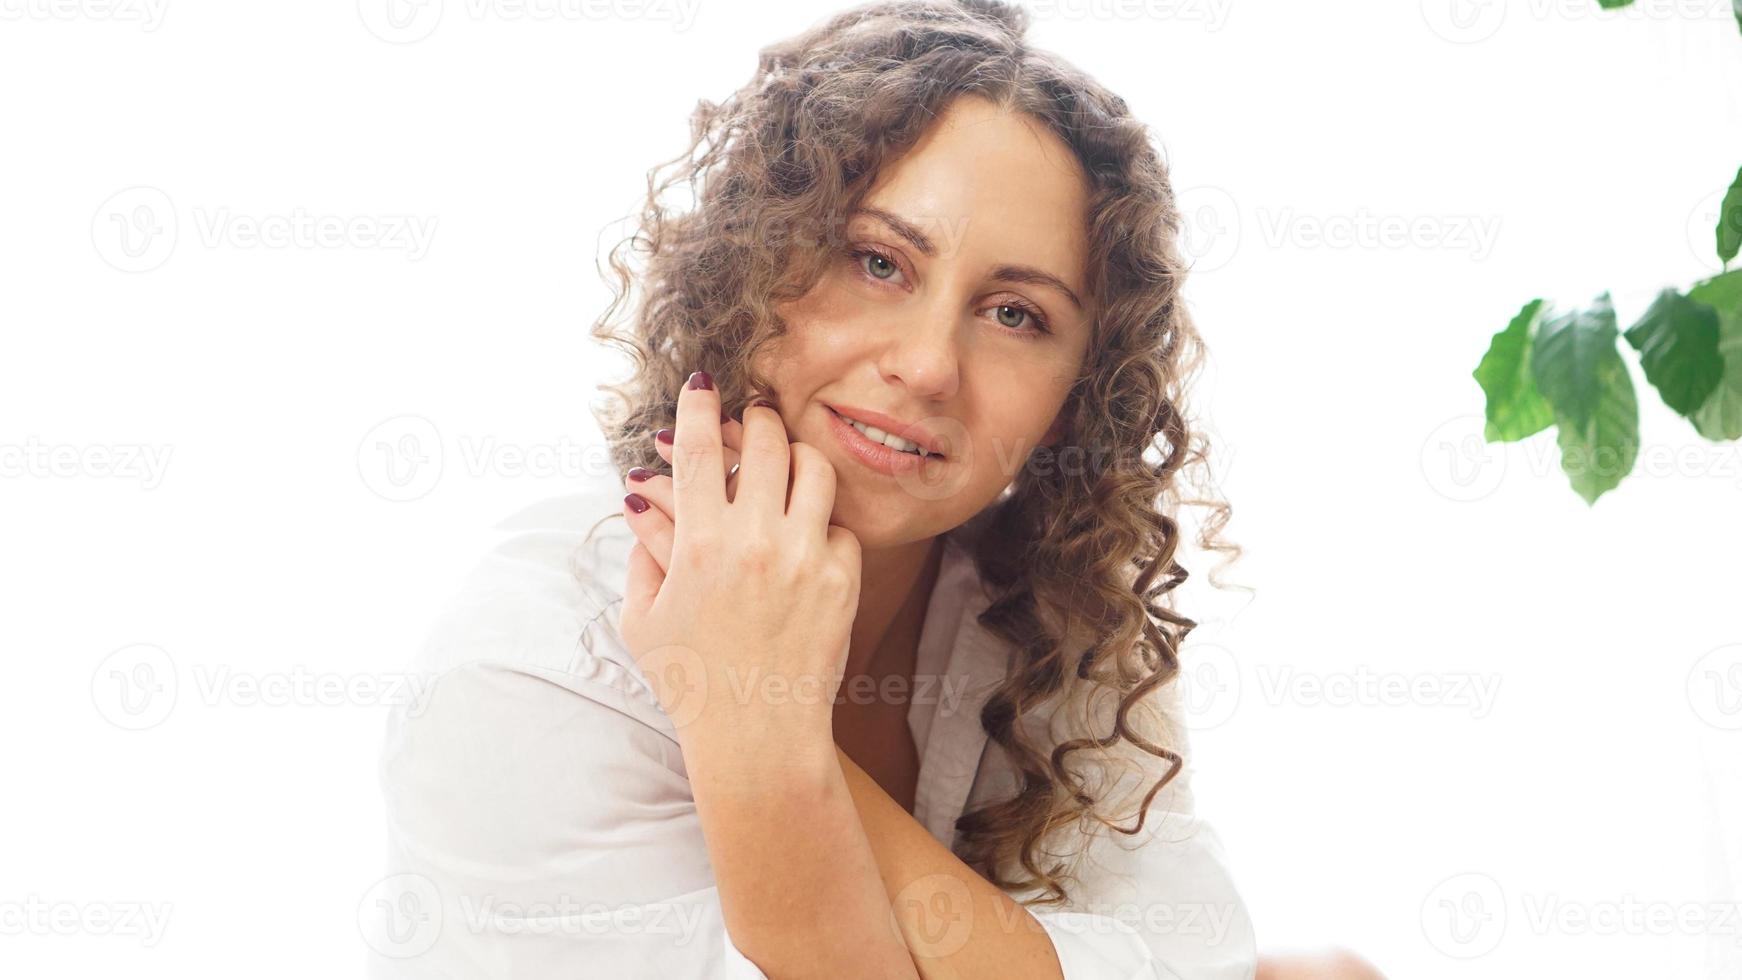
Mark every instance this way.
x=1385 y=542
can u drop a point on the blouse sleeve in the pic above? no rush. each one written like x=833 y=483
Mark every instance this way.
x=540 y=821
x=1159 y=904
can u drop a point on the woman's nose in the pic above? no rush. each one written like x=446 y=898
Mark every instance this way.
x=923 y=355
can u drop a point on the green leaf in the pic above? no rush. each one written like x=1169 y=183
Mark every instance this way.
x=1720 y=418
x=1677 y=341
x=1616 y=4
x=1730 y=212
x=1515 y=408
x=1598 y=454
x=1565 y=355
x=1738 y=5
x=1579 y=369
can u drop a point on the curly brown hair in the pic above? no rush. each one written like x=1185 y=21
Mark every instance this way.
x=1079 y=552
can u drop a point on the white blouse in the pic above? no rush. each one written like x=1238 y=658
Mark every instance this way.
x=540 y=821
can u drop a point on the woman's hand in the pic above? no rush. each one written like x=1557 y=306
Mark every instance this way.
x=743 y=629
x=656 y=489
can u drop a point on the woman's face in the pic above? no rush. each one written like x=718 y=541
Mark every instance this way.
x=952 y=308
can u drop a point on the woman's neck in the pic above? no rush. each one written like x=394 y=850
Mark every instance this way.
x=895 y=585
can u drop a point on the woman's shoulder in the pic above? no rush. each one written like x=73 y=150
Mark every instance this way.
x=544 y=598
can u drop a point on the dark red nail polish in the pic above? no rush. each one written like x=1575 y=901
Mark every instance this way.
x=636 y=503
x=639 y=473
x=701 y=381
x=663 y=435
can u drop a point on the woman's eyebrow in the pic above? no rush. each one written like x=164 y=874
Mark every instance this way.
x=1004 y=273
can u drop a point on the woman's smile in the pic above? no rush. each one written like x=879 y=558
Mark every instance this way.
x=875 y=454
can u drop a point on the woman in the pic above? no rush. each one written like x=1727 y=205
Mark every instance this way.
x=876 y=682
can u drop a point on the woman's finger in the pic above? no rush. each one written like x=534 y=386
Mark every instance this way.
x=697 y=473
x=642 y=585
x=731 y=435
x=813 y=487
x=653 y=487
x=653 y=528
x=765 y=463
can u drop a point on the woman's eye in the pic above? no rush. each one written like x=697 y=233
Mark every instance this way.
x=879 y=265
x=1015 y=315
x=1018 y=318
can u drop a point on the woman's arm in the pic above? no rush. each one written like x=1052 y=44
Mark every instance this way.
x=1163 y=905
x=797 y=877
x=956 y=923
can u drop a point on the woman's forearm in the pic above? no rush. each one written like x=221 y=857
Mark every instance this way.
x=957 y=924
x=799 y=886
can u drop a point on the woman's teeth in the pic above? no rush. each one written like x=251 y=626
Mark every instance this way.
x=875 y=434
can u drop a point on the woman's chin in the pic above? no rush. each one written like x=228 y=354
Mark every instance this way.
x=875 y=527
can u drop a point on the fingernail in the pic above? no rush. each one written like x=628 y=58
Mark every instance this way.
x=639 y=473
x=663 y=435
x=700 y=380
x=636 y=503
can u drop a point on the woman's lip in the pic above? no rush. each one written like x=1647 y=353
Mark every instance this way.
x=874 y=454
